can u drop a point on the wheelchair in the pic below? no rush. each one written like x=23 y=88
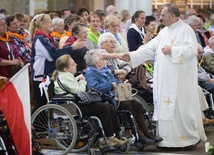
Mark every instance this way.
x=127 y=122
x=209 y=113
x=144 y=97
x=61 y=128
x=7 y=146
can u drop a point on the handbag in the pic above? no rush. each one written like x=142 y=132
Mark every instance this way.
x=123 y=92
x=88 y=97
x=83 y=98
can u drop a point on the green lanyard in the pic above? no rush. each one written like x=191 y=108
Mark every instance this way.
x=149 y=69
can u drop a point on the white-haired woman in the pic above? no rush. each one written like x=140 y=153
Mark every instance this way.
x=119 y=68
x=45 y=52
x=58 y=29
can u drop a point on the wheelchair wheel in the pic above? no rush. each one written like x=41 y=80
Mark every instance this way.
x=147 y=114
x=56 y=128
x=86 y=137
x=125 y=149
x=85 y=129
x=144 y=104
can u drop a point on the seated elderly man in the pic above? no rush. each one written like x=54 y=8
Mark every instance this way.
x=208 y=58
x=210 y=47
x=205 y=82
x=99 y=78
x=204 y=79
x=118 y=67
x=194 y=22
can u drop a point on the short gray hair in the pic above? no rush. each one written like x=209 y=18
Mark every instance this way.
x=56 y=21
x=103 y=38
x=192 y=19
x=92 y=56
x=211 y=41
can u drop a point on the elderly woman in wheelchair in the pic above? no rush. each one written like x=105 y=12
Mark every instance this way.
x=65 y=70
x=99 y=77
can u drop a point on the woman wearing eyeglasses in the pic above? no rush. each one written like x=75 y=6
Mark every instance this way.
x=119 y=68
x=45 y=52
x=93 y=31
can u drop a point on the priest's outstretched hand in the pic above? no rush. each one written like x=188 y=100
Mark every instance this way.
x=125 y=57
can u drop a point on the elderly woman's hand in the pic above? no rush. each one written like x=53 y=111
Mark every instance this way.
x=114 y=84
x=4 y=79
x=121 y=76
x=15 y=62
x=125 y=57
x=120 y=71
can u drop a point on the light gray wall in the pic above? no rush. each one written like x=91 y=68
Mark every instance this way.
x=12 y=6
x=134 y=5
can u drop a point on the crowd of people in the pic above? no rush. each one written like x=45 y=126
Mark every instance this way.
x=108 y=45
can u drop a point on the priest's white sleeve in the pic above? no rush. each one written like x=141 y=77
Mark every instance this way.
x=142 y=54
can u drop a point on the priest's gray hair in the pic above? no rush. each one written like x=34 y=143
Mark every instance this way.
x=172 y=9
x=56 y=21
x=104 y=37
x=92 y=56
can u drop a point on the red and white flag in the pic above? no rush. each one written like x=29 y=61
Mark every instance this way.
x=15 y=105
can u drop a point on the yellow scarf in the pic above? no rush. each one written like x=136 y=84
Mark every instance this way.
x=6 y=38
x=21 y=37
x=56 y=34
x=200 y=63
x=67 y=33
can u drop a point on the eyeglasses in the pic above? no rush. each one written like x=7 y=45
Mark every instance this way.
x=163 y=16
x=110 y=41
x=116 y=25
x=101 y=59
x=42 y=17
x=95 y=21
x=3 y=24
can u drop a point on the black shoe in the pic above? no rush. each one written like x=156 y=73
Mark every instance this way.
x=147 y=141
x=191 y=147
x=157 y=139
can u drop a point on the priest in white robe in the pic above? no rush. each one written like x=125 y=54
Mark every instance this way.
x=177 y=108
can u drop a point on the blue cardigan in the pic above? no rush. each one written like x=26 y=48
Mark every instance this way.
x=134 y=39
x=101 y=80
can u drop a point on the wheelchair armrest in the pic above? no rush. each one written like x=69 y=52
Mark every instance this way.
x=61 y=98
